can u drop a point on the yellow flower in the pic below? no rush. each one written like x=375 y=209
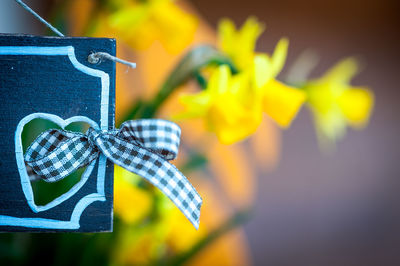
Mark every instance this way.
x=239 y=44
x=232 y=105
x=131 y=203
x=280 y=102
x=336 y=104
x=226 y=105
x=140 y=23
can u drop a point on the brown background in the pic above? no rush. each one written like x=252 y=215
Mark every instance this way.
x=342 y=208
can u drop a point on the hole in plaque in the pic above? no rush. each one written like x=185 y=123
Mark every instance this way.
x=46 y=192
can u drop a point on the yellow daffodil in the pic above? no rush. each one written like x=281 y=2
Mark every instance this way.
x=280 y=102
x=131 y=203
x=226 y=106
x=140 y=23
x=239 y=44
x=232 y=105
x=336 y=104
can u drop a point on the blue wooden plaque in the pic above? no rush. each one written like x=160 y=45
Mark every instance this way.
x=49 y=79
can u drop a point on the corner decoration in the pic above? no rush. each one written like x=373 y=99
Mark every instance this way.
x=50 y=79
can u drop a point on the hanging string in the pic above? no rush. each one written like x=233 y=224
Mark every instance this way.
x=27 y=8
x=93 y=58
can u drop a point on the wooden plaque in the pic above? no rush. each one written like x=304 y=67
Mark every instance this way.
x=49 y=81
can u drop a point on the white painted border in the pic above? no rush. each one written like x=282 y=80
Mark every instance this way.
x=104 y=106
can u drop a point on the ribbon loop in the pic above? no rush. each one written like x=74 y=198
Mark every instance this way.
x=142 y=147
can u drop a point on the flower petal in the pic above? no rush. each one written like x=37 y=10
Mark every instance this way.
x=196 y=105
x=219 y=81
x=342 y=72
x=262 y=70
x=279 y=56
x=282 y=102
x=232 y=123
x=240 y=44
x=356 y=105
x=130 y=202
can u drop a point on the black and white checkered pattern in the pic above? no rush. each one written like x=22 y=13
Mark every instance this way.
x=141 y=146
x=57 y=153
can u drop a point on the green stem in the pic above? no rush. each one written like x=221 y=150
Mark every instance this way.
x=195 y=161
x=201 y=80
x=187 y=68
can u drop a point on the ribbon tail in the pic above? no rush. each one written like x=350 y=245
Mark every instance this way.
x=158 y=172
x=179 y=190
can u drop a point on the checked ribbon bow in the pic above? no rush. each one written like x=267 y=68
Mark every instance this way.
x=143 y=147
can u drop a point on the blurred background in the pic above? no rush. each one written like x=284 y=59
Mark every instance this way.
x=310 y=207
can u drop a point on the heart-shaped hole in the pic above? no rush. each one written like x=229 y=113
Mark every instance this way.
x=45 y=192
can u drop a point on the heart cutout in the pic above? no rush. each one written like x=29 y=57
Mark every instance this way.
x=25 y=181
x=45 y=192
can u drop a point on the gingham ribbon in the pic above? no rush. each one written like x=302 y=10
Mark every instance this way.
x=143 y=147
